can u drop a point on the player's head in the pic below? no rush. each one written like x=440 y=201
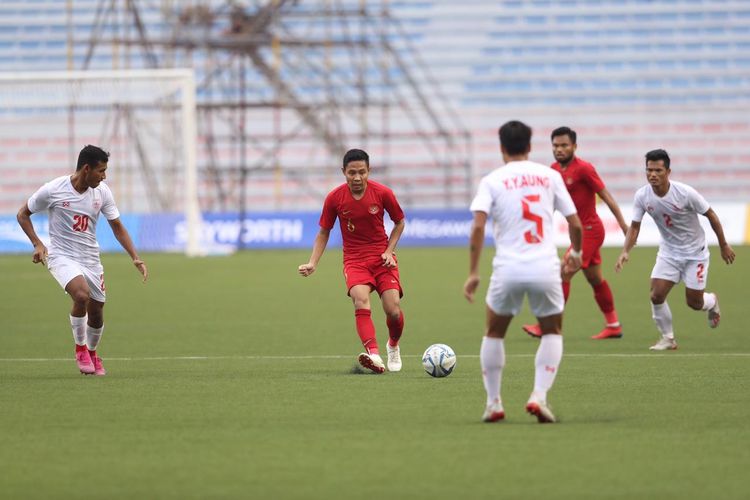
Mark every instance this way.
x=92 y=164
x=356 y=170
x=515 y=138
x=564 y=144
x=657 y=168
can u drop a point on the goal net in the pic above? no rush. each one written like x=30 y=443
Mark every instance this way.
x=144 y=118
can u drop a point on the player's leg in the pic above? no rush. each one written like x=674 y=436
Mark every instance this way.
x=695 y=277
x=546 y=303
x=504 y=299
x=661 y=314
x=94 y=276
x=604 y=299
x=369 y=359
x=79 y=291
x=391 y=299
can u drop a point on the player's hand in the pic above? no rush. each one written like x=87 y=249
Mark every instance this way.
x=572 y=264
x=40 y=255
x=141 y=266
x=470 y=287
x=727 y=254
x=621 y=260
x=388 y=260
x=306 y=269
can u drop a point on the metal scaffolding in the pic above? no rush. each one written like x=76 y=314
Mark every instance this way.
x=286 y=87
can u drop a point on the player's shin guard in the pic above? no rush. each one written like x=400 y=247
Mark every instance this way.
x=93 y=336
x=547 y=362
x=605 y=299
x=492 y=358
x=395 y=328
x=366 y=330
x=662 y=316
x=78 y=325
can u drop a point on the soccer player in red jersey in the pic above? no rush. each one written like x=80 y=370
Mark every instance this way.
x=369 y=259
x=584 y=184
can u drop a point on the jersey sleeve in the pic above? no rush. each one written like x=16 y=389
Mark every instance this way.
x=328 y=215
x=109 y=208
x=482 y=202
x=638 y=207
x=390 y=203
x=592 y=178
x=40 y=200
x=697 y=201
x=563 y=202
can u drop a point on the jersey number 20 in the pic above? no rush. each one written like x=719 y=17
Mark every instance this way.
x=80 y=223
x=529 y=215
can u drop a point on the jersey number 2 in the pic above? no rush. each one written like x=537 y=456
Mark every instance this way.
x=80 y=223
x=529 y=215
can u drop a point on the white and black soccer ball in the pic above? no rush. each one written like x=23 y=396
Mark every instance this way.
x=439 y=360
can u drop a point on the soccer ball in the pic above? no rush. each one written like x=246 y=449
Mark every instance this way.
x=439 y=360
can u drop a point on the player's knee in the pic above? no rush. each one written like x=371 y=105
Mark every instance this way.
x=393 y=313
x=657 y=298
x=80 y=296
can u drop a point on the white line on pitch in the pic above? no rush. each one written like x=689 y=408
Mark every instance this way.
x=347 y=356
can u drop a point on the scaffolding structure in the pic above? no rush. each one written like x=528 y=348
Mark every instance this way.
x=285 y=88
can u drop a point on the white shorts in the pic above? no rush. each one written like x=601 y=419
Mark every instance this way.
x=694 y=273
x=64 y=270
x=505 y=297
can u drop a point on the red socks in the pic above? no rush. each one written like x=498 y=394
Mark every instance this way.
x=606 y=301
x=395 y=328
x=566 y=290
x=366 y=330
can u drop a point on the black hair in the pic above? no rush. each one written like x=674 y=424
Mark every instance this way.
x=656 y=155
x=515 y=137
x=91 y=156
x=356 y=155
x=564 y=131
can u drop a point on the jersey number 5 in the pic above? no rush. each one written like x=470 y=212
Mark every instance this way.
x=80 y=223
x=529 y=215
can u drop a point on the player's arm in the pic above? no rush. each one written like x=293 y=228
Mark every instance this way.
x=575 y=233
x=614 y=208
x=122 y=235
x=319 y=246
x=726 y=251
x=24 y=220
x=476 y=242
x=387 y=256
x=631 y=238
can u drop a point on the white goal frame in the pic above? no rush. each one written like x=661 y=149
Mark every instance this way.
x=178 y=80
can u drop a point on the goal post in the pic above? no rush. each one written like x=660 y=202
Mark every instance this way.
x=145 y=118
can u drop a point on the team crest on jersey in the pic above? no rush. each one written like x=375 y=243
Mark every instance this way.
x=350 y=226
x=373 y=209
x=65 y=204
x=649 y=208
x=97 y=204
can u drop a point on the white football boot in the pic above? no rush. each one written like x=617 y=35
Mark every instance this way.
x=664 y=344
x=540 y=410
x=494 y=412
x=714 y=314
x=372 y=362
x=394 y=358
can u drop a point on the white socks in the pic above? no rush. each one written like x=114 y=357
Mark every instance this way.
x=547 y=362
x=492 y=358
x=662 y=316
x=709 y=301
x=93 y=336
x=78 y=325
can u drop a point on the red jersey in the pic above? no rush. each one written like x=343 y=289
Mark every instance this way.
x=583 y=183
x=362 y=228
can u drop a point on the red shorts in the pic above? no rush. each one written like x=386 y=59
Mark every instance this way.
x=372 y=272
x=593 y=238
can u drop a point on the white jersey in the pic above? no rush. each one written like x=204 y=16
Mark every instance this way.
x=676 y=216
x=73 y=216
x=521 y=198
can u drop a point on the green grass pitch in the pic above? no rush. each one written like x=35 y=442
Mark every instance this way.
x=232 y=377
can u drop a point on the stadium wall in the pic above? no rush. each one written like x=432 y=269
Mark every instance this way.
x=224 y=232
